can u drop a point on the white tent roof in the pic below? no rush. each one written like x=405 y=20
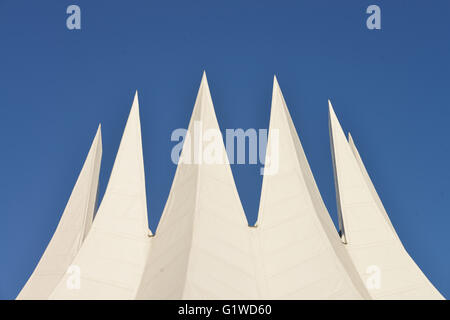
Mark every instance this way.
x=300 y=253
x=379 y=256
x=72 y=228
x=112 y=257
x=202 y=248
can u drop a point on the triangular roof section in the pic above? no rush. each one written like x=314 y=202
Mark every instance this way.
x=301 y=255
x=72 y=228
x=370 y=184
x=110 y=263
x=379 y=256
x=202 y=247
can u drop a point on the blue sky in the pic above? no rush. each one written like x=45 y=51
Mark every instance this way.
x=389 y=87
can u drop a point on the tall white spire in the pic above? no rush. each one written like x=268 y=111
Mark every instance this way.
x=201 y=248
x=72 y=228
x=379 y=256
x=301 y=255
x=110 y=263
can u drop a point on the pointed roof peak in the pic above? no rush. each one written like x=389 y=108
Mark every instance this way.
x=275 y=81
x=278 y=103
x=204 y=78
x=203 y=84
x=135 y=106
x=99 y=130
x=330 y=107
x=128 y=170
x=136 y=99
x=203 y=99
x=98 y=133
x=333 y=118
x=276 y=87
x=72 y=229
x=98 y=136
x=350 y=139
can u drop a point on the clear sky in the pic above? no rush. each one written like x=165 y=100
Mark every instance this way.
x=389 y=87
